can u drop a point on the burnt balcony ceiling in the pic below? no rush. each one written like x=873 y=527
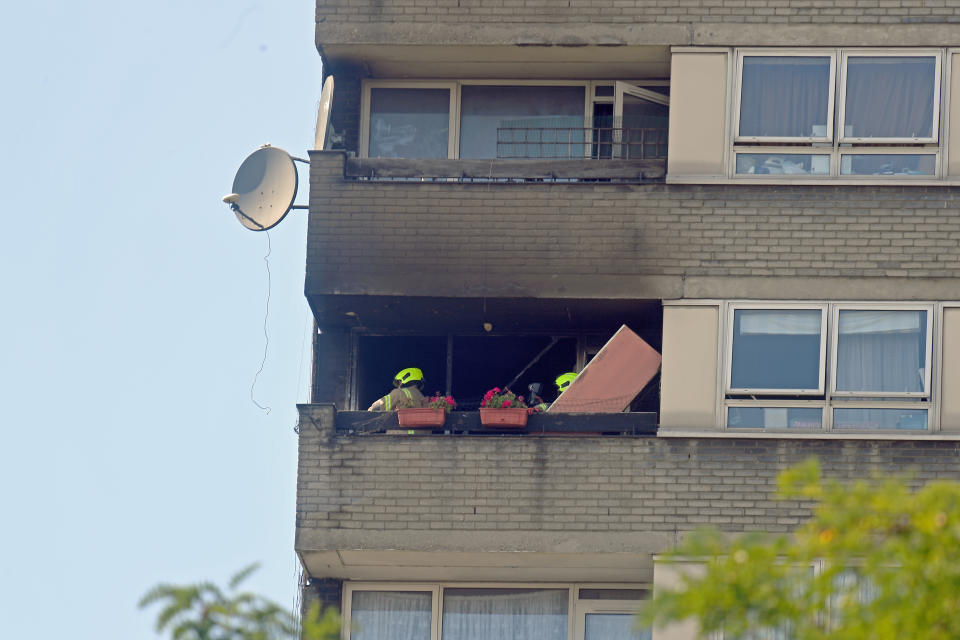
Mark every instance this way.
x=503 y=315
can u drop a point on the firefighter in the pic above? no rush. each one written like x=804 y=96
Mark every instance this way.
x=563 y=381
x=407 y=393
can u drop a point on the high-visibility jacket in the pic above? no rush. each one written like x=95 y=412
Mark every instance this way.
x=403 y=398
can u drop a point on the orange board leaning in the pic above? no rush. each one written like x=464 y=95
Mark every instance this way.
x=609 y=382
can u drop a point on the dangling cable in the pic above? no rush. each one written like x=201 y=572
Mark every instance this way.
x=266 y=344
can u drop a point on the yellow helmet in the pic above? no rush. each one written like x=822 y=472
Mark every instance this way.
x=410 y=374
x=564 y=379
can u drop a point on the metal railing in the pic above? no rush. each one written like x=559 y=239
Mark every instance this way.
x=624 y=143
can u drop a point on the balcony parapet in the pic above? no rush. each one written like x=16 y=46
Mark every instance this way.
x=508 y=170
x=359 y=423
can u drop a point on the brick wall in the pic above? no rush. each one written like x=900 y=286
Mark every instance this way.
x=470 y=239
x=601 y=484
x=343 y=12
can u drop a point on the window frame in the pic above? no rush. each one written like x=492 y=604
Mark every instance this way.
x=728 y=369
x=365 y=102
x=830 y=400
x=630 y=86
x=835 y=144
x=841 y=107
x=779 y=53
x=835 y=338
x=577 y=608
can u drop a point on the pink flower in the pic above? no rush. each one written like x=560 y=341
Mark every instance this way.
x=506 y=403
x=450 y=401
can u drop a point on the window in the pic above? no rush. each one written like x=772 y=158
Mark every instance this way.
x=375 y=611
x=837 y=113
x=828 y=366
x=514 y=119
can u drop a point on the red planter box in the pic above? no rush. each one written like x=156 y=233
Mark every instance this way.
x=421 y=418
x=503 y=418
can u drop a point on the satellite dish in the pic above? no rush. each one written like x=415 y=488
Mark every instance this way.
x=323 y=114
x=264 y=188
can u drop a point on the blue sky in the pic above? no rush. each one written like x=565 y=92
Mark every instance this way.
x=134 y=302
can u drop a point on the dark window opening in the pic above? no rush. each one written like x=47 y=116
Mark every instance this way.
x=379 y=358
x=484 y=362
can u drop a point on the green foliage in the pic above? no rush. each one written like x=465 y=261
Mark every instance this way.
x=876 y=561
x=203 y=611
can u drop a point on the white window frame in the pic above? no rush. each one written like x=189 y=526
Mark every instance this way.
x=831 y=399
x=774 y=404
x=779 y=53
x=454 y=86
x=368 y=85
x=841 y=111
x=835 y=144
x=576 y=608
x=901 y=151
x=728 y=373
x=787 y=151
x=835 y=337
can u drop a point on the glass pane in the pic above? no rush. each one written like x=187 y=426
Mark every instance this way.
x=393 y=615
x=785 y=96
x=495 y=614
x=533 y=122
x=774 y=417
x=882 y=351
x=890 y=97
x=888 y=164
x=644 y=128
x=909 y=419
x=409 y=123
x=613 y=626
x=783 y=164
x=776 y=349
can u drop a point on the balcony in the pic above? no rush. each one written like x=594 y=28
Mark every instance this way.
x=508 y=170
x=467 y=423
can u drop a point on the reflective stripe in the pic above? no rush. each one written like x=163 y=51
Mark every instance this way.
x=386 y=402
x=407 y=393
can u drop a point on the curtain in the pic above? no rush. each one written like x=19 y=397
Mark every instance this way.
x=881 y=351
x=390 y=615
x=504 y=614
x=784 y=96
x=890 y=97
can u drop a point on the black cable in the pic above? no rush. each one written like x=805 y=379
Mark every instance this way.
x=266 y=315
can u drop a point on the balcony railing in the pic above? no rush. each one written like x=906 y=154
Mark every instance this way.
x=468 y=423
x=591 y=142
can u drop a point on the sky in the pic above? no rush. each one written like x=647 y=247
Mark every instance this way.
x=134 y=306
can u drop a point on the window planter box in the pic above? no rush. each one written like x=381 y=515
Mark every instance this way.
x=421 y=418
x=503 y=418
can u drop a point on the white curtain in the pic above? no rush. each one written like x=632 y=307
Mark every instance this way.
x=504 y=614
x=881 y=351
x=390 y=615
x=779 y=321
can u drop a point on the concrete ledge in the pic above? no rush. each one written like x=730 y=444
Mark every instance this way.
x=440 y=555
x=806 y=435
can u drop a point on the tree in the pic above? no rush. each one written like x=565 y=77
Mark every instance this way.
x=876 y=560
x=203 y=611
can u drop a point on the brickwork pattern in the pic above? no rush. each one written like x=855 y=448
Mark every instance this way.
x=360 y=232
x=639 y=11
x=612 y=484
